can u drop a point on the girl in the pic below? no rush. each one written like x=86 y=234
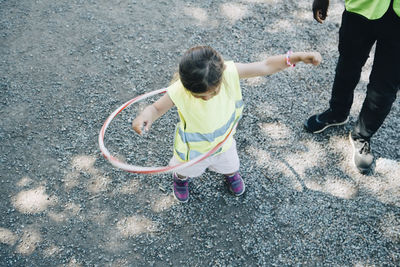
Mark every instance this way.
x=209 y=101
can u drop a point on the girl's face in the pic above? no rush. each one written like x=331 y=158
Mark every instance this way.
x=209 y=94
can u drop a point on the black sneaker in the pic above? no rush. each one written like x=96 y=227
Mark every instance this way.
x=362 y=155
x=319 y=122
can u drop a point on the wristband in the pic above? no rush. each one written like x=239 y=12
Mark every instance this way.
x=288 y=54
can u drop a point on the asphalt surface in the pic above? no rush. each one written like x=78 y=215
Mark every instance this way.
x=66 y=65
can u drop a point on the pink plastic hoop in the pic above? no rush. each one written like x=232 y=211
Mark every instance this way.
x=149 y=170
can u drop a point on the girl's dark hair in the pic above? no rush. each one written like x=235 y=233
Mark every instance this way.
x=201 y=69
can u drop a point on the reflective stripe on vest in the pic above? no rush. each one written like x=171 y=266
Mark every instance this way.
x=210 y=137
x=194 y=153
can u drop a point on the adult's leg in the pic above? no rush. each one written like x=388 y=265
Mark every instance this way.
x=384 y=78
x=355 y=42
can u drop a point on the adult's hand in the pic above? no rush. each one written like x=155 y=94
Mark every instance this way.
x=320 y=10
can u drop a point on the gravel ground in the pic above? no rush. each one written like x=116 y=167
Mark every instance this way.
x=66 y=65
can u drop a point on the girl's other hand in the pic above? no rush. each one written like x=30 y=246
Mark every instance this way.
x=140 y=125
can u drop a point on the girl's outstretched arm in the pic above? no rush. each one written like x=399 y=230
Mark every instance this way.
x=151 y=113
x=276 y=63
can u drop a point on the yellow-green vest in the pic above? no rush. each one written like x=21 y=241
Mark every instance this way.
x=371 y=9
x=205 y=123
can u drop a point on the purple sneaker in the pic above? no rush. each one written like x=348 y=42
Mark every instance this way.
x=181 y=189
x=235 y=184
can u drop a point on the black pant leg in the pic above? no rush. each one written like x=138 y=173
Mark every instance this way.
x=355 y=42
x=384 y=79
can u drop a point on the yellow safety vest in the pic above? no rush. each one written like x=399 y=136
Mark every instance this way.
x=205 y=123
x=371 y=9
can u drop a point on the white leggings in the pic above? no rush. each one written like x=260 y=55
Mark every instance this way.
x=224 y=163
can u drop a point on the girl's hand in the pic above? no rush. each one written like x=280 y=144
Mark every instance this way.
x=151 y=113
x=311 y=58
x=141 y=124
